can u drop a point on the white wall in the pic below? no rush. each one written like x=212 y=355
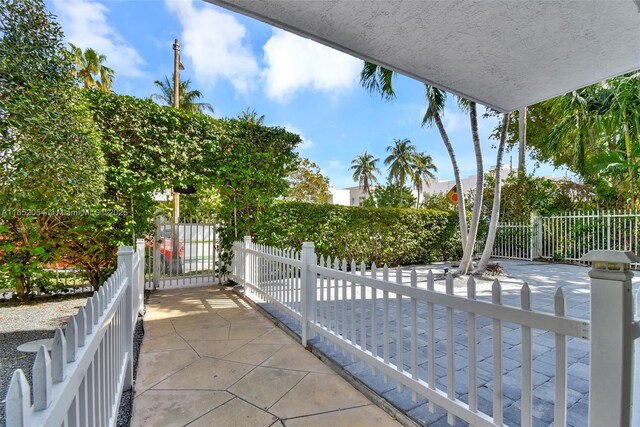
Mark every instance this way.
x=340 y=196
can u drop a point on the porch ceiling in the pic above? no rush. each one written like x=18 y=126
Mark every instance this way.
x=505 y=54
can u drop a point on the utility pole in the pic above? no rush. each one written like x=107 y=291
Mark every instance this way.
x=176 y=266
x=176 y=104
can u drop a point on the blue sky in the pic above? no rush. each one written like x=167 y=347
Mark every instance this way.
x=238 y=62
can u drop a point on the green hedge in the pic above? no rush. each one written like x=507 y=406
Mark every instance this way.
x=393 y=236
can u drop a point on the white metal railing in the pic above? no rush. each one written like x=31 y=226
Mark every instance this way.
x=570 y=236
x=567 y=237
x=513 y=241
x=362 y=314
x=91 y=362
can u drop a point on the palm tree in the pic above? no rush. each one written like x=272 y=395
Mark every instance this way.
x=378 y=79
x=495 y=209
x=400 y=161
x=188 y=98
x=88 y=65
x=436 y=102
x=423 y=172
x=522 y=141
x=469 y=247
x=364 y=169
x=250 y=115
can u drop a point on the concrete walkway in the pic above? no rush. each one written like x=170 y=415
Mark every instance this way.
x=209 y=359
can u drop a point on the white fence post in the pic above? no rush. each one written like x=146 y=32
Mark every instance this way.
x=246 y=261
x=308 y=289
x=157 y=265
x=125 y=258
x=612 y=337
x=536 y=236
x=141 y=278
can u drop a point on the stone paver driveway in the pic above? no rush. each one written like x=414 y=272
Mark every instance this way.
x=209 y=359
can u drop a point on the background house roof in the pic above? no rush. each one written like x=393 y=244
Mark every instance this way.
x=505 y=54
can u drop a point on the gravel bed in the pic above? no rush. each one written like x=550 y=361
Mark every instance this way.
x=27 y=322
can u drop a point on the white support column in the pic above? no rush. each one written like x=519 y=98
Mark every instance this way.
x=125 y=257
x=246 y=262
x=612 y=337
x=308 y=289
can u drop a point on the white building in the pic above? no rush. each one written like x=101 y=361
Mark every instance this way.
x=351 y=196
x=468 y=183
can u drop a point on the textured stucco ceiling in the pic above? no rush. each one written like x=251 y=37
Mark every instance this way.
x=505 y=54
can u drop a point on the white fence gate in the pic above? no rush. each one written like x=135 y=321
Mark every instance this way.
x=567 y=237
x=362 y=314
x=182 y=255
x=91 y=362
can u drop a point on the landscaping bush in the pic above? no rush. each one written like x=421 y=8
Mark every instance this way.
x=393 y=236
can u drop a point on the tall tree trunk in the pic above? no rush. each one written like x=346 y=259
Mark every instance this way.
x=462 y=214
x=495 y=209
x=522 y=135
x=627 y=145
x=477 y=200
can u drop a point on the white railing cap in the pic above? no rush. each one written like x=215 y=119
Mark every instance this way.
x=611 y=257
x=124 y=250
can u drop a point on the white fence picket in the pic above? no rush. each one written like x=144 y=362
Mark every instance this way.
x=471 y=343
x=560 y=407
x=527 y=358
x=496 y=298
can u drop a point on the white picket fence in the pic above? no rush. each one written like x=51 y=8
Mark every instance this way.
x=361 y=313
x=567 y=237
x=91 y=362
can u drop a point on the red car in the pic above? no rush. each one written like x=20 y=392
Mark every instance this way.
x=166 y=255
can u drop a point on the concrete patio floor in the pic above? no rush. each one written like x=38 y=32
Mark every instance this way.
x=209 y=359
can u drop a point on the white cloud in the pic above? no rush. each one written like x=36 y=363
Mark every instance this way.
x=84 y=23
x=294 y=63
x=216 y=44
x=306 y=143
x=335 y=164
x=455 y=121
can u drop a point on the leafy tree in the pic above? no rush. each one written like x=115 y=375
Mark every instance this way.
x=88 y=66
x=391 y=195
x=307 y=184
x=49 y=148
x=525 y=195
x=437 y=201
x=188 y=99
x=364 y=169
x=593 y=131
x=236 y=166
x=423 y=171
x=400 y=161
